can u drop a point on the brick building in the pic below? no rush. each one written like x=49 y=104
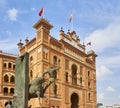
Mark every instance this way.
x=7 y=77
x=76 y=78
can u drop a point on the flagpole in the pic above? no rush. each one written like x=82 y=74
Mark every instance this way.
x=72 y=26
x=89 y=45
x=43 y=13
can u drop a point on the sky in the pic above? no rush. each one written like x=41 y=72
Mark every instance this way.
x=95 y=21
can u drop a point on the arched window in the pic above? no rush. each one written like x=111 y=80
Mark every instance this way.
x=31 y=59
x=12 y=91
x=9 y=65
x=7 y=104
x=52 y=107
x=6 y=78
x=12 y=79
x=4 y=65
x=55 y=59
x=5 y=90
x=74 y=74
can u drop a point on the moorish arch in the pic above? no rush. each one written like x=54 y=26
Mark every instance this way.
x=6 y=78
x=9 y=77
x=74 y=100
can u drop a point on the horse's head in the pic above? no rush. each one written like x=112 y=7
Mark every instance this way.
x=40 y=80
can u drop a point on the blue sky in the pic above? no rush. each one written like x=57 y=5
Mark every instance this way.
x=97 y=21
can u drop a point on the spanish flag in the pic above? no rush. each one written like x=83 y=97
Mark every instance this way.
x=41 y=11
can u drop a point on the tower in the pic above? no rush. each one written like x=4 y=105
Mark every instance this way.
x=76 y=78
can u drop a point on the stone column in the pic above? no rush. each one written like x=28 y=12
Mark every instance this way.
x=20 y=98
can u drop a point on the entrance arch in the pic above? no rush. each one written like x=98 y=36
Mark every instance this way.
x=74 y=100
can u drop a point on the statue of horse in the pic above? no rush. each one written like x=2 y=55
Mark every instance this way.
x=39 y=85
x=36 y=88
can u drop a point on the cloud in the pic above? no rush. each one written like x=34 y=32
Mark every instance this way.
x=33 y=9
x=12 y=14
x=110 y=89
x=8 y=33
x=119 y=96
x=103 y=71
x=113 y=61
x=100 y=97
x=7 y=45
x=105 y=38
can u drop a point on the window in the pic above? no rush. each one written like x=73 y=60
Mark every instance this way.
x=6 y=78
x=66 y=76
x=5 y=90
x=12 y=91
x=31 y=74
x=31 y=59
x=9 y=65
x=80 y=80
x=45 y=38
x=81 y=70
x=4 y=65
x=89 y=96
x=88 y=73
x=89 y=84
x=13 y=67
x=55 y=59
x=12 y=79
x=45 y=53
x=57 y=107
x=74 y=74
x=52 y=107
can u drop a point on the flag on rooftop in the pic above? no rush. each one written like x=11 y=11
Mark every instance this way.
x=71 y=17
x=41 y=11
x=89 y=43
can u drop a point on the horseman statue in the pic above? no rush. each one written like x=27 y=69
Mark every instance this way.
x=39 y=85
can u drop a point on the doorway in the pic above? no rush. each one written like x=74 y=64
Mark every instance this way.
x=74 y=100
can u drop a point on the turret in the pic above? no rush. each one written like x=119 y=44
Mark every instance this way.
x=43 y=30
x=20 y=45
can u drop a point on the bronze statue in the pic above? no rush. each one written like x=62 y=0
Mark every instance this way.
x=36 y=87
x=52 y=72
x=39 y=85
